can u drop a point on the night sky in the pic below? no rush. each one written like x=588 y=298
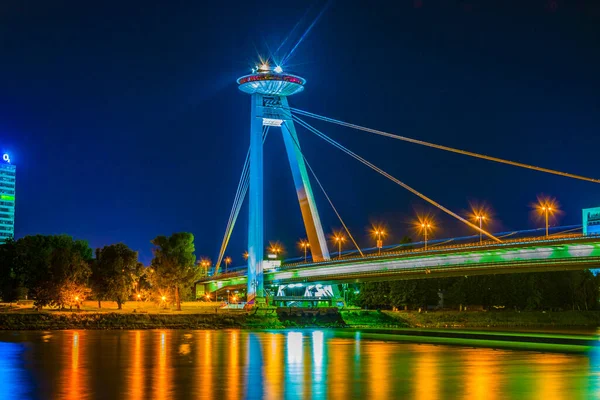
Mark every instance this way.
x=125 y=121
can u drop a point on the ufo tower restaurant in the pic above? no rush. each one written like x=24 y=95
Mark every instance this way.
x=269 y=89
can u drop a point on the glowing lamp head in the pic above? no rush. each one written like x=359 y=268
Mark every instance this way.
x=163 y=298
x=278 y=69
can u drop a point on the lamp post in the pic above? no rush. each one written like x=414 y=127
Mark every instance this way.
x=275 y=249
x=547 y=206
x=339 y=239
x=305 y=245
x=546 y=209
x=227 y=262
x=205 y=264
x=425 y=226
x=379 y=233
x=480 y=218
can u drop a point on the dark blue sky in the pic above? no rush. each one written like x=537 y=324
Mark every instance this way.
x=125 y=121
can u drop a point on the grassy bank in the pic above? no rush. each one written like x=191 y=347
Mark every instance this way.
x=74 y=320
x=270 y=319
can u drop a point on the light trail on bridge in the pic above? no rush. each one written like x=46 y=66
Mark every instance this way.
x=524 y=256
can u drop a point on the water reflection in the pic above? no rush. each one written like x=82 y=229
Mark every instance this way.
x=273 y=365
x=162 y=387
x=273 y=360
x=136 y=371
x=73 y=374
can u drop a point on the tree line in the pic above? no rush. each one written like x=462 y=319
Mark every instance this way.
x=564 y=290
x=58 y=271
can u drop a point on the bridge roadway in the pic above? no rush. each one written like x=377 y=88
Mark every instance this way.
x=567 y=252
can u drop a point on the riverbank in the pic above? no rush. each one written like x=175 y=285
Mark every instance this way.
x=272 y=318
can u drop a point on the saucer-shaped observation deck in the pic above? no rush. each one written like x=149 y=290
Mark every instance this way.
x=271 y=82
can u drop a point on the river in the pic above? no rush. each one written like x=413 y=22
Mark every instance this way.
x=317 y=364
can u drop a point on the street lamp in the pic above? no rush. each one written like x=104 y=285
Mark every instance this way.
x=275 y=248
x=205 y=263
x=245 y=254
x=546 y=209
x=480 y=218
x=425 y=227
x=379 y=233
x=339 y=239
x=305 y=245
x=227 y=262
x=547 y=206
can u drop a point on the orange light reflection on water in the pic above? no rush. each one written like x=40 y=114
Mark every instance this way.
x=136 y=370
x=483 y=377
x=338 y=377
x=233 y=374
x=205 y=371
x=162 y=387
x=379 y=370
x=426 y=370
x=273 y=371
x=74 y=392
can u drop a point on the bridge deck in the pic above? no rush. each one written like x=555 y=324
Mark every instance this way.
x=567 y=252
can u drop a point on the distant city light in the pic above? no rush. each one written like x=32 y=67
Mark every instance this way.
x=278 y=69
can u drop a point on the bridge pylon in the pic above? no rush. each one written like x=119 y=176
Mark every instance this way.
x=269 y=89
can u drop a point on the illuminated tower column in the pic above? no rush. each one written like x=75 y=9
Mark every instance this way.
x=310 y=215
x=269 y=89
x=255 y=220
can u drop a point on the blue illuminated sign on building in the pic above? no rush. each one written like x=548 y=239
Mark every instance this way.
x=591 y=221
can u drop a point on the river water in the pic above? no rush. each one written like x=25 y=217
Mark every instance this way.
x=317 y=364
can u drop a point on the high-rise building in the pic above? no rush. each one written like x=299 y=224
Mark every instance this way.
x=7 y=198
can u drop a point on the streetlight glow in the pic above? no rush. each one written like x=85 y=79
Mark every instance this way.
x=227 y=262
x=275 y=248
x=546 y=206
x=339 y=238
x=304 y=245
x=425 y=225
x=379 y=233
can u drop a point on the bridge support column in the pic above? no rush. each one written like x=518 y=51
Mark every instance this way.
x=255 y=200
x=310 y=215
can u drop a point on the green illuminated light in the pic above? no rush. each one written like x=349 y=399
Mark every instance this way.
x=7 y=197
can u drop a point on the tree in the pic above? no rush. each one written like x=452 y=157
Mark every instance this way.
x=52 y=266
x=114 y=273
x=10 y=280
x=174 y=264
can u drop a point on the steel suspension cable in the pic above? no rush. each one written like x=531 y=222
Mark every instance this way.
x=392 y=178
x=326 y=195
x=446 y=148
x=237 y=203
